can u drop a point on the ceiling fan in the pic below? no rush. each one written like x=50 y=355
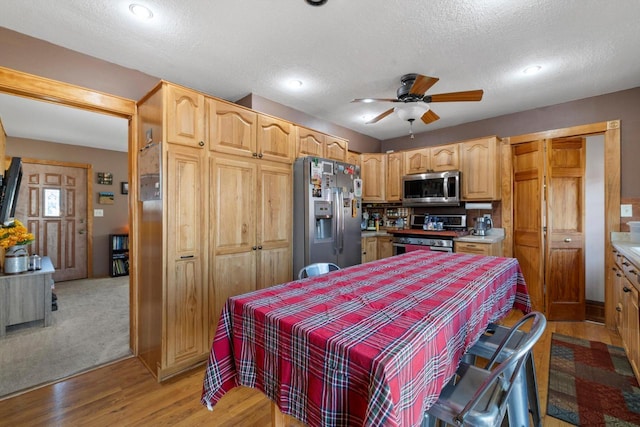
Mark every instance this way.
x=414 y=101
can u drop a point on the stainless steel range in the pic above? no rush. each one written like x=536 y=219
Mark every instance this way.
x=435 y=232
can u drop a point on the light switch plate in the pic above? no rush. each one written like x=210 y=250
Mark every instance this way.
x=626 y=211
x=98 y=212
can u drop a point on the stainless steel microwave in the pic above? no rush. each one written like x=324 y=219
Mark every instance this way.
x=431 y=189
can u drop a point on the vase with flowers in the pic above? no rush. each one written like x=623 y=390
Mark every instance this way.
x=14 y=238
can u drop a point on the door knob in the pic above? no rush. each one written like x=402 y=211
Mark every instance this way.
x=567 y=239
x=80 y=231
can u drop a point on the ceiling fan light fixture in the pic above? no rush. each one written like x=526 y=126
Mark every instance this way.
x=316 y=2
x=411 y=111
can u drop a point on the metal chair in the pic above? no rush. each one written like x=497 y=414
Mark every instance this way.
x=317 y=269
x=479 y=397
x=486 y=347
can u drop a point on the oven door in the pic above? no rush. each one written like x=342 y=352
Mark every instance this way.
x=399 y=248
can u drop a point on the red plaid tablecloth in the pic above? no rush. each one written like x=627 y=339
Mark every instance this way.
x=369 y=345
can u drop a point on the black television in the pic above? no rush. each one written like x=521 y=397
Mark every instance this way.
x=9 y=191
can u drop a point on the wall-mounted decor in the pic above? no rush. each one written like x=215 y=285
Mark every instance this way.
x=105 y=198
x=124 y=188
x=105 y=178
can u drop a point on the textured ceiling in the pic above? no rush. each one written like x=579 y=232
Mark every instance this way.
x=350 y=49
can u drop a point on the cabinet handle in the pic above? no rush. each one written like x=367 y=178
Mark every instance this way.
x=260 y=247
x=624 y=288
x=618 y=309
x=255 y=154
x=632 y=271
x=618 y=274
x=567 y=239
x=186 y=256
x=260 y=155
x=625 y=263
x=254 y=248
x=201 y=143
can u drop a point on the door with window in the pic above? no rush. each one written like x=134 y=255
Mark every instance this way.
x=52 y=203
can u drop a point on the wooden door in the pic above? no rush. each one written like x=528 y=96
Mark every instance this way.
x=231 y=129
x=274 y=213
x=373 y=177
x=52 y=203
x=565 y=287
x=276 y=139
x=416 y=161
x=233 y=231
x=185 y=116
x=445 y=157
x=528 y=202
x=335 y=149
x=186 y=336
x=394 y=177
x=309 y=143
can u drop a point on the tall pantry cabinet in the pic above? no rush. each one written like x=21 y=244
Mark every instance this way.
x=173 y=292
x=222 y=226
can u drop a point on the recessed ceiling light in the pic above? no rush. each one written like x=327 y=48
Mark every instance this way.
x=295 y=84
x=532 y=69
x=140 y=11
x=367 y=100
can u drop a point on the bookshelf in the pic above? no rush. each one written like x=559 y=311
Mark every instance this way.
x=118 y=255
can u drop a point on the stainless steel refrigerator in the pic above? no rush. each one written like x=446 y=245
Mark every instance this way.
x=327 y=207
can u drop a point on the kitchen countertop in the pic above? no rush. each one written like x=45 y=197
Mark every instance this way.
x=494 y=235
x=373 y=233
x=430 y=233
x=628 y=245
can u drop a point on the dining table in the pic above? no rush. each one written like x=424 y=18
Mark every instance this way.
x=368 y=345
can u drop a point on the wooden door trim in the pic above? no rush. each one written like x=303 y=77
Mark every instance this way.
x=57 y=92
x=611 y=132
x=89 y=173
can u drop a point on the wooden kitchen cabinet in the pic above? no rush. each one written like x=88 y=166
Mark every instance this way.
x=384 y=247
x=369 y=249
x=336 y=148
x=185 y=112
x=628 y=311
x=173 y=315
x=313 y=143
x=231 y=128
x=489 y=249
x=373 y=173
x=252 y=206
x=353 y=158
x=432 y=159
x=395 y=170
x=275 y=139
x=480 y=168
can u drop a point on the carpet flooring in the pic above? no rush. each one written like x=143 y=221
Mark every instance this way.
x=591 y=384
x=90 y=328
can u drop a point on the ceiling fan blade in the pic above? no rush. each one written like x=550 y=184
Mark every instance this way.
x=422 y=84
x=469 y=95
x=380 y=116
x=429 y=117
x=367 y=100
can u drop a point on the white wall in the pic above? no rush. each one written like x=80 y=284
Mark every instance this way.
x=594 y=219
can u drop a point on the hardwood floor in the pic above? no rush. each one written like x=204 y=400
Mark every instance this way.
x=124 y=394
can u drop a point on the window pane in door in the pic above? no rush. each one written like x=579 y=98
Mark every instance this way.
x=51 y=202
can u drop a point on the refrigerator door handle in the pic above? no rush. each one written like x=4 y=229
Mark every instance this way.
x=336 y=221
x=341 y=218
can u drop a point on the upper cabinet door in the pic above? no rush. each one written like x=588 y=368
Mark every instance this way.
x=276 y=139
x=416 y=161
x=394 y=177
x=353 y=158
x=480 y=169
x=335 y=149
x=309 y=143
x=185 y=116
x=373 y=177
x=231 y=129
x=445 y=157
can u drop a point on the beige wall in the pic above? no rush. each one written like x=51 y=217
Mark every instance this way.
x=116 y=216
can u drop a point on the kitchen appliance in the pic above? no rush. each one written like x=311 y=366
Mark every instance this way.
x=431 y=189
x=482 y=225
x=16 y=261
x=327 y=211
x=435 y=240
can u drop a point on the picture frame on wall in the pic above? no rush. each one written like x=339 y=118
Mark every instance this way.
x=105 y=198
x=124 y=188
x=105 y=178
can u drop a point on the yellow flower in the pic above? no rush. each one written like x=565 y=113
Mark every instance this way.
x=15 y=234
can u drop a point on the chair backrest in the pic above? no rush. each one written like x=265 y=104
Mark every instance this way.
x=506 y=371
x=317 y=269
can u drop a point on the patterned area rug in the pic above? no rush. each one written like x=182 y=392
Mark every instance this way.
x=591 y=384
